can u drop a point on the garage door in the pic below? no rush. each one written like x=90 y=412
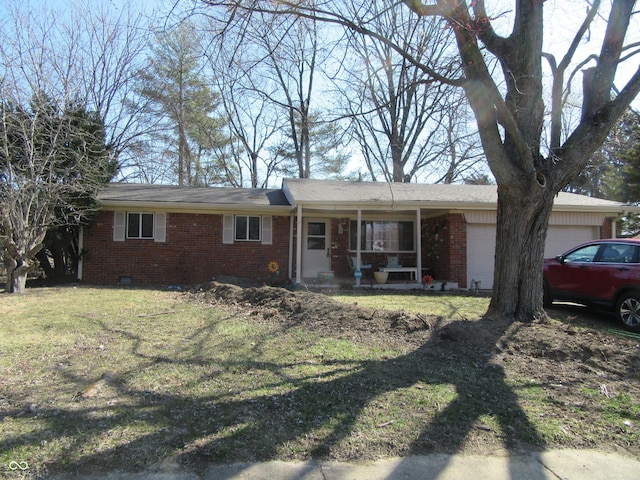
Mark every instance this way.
x=481 y=244
x=561 y=238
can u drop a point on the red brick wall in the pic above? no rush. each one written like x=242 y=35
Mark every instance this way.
x=193 y=253
x=606 y=230
x=444 y=247
x=458 y=249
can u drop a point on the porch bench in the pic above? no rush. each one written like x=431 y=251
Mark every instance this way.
x=413 y=271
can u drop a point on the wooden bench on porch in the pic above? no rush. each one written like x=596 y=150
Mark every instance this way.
x=413 y=271
x=394 y=266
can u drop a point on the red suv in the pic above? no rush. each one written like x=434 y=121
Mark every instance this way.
x=602 y=272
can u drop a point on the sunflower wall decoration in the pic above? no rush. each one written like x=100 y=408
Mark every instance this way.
x=274 y=267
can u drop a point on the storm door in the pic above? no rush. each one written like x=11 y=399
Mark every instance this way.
x=316 y=247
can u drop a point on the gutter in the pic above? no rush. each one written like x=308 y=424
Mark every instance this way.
x=191 y=207
x=396 y=206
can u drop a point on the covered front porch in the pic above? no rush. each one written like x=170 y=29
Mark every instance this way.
x=395 y=250
x=347 y=231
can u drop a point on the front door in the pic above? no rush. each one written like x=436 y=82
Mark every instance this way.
x=316 y=247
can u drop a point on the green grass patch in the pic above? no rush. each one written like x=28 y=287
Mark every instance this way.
x=99 y=379
x=454 y=307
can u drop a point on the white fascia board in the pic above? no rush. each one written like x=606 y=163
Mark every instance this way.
x=194 y=207
x=427 y=205
x=606 y=209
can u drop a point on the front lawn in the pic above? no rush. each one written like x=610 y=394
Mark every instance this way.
x=94 y=379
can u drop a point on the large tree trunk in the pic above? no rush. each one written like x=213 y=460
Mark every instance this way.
x=18 y=263
x=16 y=276
x=19 y=280
x=520 y=240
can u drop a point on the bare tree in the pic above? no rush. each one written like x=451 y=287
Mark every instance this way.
x=511 y=125
x=291 y=54
x=508 y=107
x=406 y=124
x=281 y=59
x=111 y=46
x=252 y=120
x=63 y=80
x=52 y=161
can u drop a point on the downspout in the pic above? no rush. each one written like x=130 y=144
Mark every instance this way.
x=299 y=246
x=291 y=225
x=358 y=245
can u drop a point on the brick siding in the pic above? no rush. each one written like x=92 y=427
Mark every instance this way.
x=193 y=253
x=444 y=247
x=606 y=229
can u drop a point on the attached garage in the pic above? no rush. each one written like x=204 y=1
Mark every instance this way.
x=568 y=229
x=565 y=231
x=481 y=246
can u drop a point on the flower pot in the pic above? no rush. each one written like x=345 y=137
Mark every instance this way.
x=381 y=277
x=325 y=277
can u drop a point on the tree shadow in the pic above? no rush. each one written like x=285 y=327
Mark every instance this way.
x=319 y=410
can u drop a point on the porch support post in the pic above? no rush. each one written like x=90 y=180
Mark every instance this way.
x=418 y=246
x=299 y=246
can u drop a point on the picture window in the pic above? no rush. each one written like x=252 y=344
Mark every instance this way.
x=382 y=236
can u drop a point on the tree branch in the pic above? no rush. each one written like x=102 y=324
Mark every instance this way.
x=317 y=14
x=599 y=91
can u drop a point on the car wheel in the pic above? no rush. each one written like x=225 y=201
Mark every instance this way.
x=628 y=311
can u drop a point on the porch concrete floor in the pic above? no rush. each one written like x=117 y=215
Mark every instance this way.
x=392 y=284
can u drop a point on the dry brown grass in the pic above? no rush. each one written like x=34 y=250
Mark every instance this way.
x=95 y=379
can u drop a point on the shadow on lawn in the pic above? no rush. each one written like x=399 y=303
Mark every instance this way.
x=319 y=412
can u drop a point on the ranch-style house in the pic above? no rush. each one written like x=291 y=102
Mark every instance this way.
x=309 y=231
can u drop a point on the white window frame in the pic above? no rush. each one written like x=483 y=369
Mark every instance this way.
x=229 y=229
x=140 y=226
x=248 y=228
x=120 y=220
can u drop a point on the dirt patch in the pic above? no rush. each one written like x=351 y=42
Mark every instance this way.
x=582 y=373
x=321 y=314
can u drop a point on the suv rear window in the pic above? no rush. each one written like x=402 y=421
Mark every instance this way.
x=619 y=253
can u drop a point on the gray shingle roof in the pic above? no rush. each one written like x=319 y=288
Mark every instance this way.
x=171 y=195
x=335 y=192
x=319 y=193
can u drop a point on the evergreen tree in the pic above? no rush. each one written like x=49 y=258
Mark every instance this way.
x=181 y=105
x=52 y=161
x=613 y=172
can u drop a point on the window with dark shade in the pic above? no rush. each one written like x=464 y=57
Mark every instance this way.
x=247 y=228
x=382 y=236
x=140 y=225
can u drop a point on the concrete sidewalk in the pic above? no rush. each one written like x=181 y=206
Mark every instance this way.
x=548 y=465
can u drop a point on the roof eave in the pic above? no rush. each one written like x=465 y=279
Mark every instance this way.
x=613 y=210
x=183 y=206
x=436 y=205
